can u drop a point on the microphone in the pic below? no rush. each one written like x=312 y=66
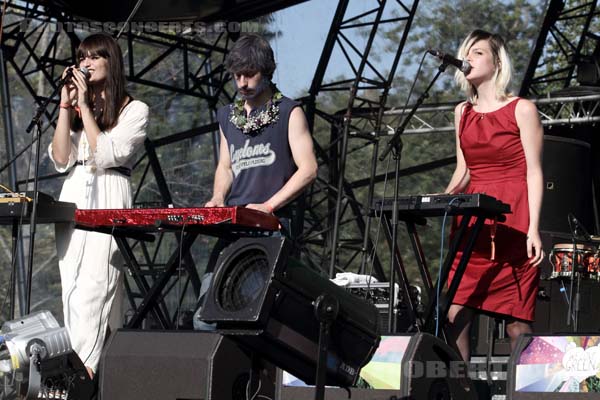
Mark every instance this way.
x=578 y=228
x=462 y=65
x=42 y=107
x=69 y=75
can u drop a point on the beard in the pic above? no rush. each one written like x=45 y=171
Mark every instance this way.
x=258 y=90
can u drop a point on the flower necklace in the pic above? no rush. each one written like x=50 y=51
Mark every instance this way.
x=249 y=124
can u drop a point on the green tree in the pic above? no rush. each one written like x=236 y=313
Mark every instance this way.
x=440 y=25
x=444 y=25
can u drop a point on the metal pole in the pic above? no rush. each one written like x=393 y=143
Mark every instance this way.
x=12 y=177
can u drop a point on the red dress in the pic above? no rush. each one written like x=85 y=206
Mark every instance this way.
x=492 y=148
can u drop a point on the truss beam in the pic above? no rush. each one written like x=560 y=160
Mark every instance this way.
x=357 y=29
x=564 y=41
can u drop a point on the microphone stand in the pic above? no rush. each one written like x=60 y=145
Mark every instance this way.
x=576 y=231
x=573 y=308
x=396 y=144
x=36 y=119
x=37 y=123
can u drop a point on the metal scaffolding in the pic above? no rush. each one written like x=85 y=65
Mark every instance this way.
x=39 y=41
x=566 y=39
x=332 y=204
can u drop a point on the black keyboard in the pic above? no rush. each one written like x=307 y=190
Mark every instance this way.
x=436 y=205
x=48 y=210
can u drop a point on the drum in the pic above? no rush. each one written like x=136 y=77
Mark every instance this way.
x=561 y=258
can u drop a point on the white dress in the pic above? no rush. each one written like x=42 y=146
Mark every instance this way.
x=90 y=262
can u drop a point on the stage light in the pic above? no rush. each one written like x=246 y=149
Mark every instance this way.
x=37 y=361
x=272 y=304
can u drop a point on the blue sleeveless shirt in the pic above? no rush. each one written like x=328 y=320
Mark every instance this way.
x=261 y=162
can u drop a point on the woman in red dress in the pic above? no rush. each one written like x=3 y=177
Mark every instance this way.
x=499 y=141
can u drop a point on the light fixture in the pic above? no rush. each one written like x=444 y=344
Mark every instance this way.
x=280 y=309
x=37 y=361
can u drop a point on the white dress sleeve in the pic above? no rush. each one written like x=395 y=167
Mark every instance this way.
x=116 y=147
x=72 y=154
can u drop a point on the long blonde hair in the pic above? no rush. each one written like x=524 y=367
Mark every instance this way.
x=503 y=73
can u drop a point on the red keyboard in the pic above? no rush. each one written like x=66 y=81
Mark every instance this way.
x=160 y=219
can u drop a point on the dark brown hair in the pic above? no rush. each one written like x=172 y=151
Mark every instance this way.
x=251 y=53
x=105 y=46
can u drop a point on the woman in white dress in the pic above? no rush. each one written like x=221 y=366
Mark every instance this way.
x=98 y=137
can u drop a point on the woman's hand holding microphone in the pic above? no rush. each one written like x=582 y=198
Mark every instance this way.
x=74 y=91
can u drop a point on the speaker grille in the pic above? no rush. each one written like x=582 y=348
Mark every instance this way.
x=244 y=280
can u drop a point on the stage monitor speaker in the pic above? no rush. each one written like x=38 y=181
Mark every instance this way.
x=555 y=367
x=432 y=370
x=159 y=365
x=567 y=184
x=418 y=366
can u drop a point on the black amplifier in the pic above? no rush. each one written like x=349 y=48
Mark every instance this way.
x=378 y=294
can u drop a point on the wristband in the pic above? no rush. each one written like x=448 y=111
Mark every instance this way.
x=64 y=105
x=269 y=207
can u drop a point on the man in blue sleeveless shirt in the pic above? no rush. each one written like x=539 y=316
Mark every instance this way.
x=266 y=156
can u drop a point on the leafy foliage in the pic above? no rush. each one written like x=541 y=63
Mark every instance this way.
x=444 y=25
x=440 y=25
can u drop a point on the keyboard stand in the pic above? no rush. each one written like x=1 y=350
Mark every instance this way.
x=152 y=284
x=404 y=283
x=411 y=219
x=153 y=299
x=446 y=298
x=152 y=295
